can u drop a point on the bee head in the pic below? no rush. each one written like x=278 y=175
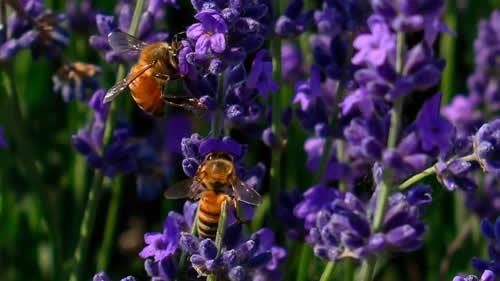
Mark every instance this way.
x=219 y=164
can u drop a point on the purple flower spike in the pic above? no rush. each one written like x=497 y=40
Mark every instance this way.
x=210 y=33
x=434 y=131
x=487 y=146
x=378 y=46
x=225 y=145
x=162 y=245
x=260 y=76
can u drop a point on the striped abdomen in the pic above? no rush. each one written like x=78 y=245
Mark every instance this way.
x=209 y=212
x=146 y=92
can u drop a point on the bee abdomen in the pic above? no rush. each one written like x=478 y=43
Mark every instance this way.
x=208 y=221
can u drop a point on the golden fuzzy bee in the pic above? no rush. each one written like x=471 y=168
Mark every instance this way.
x=147 y=80
x=215 y=181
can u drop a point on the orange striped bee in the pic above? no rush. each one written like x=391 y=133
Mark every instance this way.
x=215 y=181
x=147 y=80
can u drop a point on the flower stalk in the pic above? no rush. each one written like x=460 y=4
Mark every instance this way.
x=428 y=172
x=275 y=171
x=25 y=153
x=386 y=185
x=86 y=226
x=96 y=188
x=220 y=233
x=329 y=269
x=218 y=118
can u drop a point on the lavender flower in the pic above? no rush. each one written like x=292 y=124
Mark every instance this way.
x=226 y=33
x=293 y=22
x=33 y=26
x=146 y=29
x=487 y=275
x=163 y=245
x=102 y=276
x=378 y=46
x=260 y=76
x=294 y=226
x=487 y=146
x=292 y=68
x=463 y=113
x=81 y=16
x=116 y=157
x=255 y=259
x=3 y=141
x=337 y=16
x=413 y=16
x=491 y=233
x=433 y=131
x=210 y=33
x=315 y=199
x=483 y=84
x=163 y=270
x=75 y=81
x=343 y=228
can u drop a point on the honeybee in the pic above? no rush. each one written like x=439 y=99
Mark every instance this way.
x=147 y=79
x=215 y=181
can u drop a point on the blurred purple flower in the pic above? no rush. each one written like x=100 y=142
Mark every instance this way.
x=484 y=84
x=292 y=67
x=487 y=275
x=376 y=47
x=413 y=16
x=463 y=113
x=433 y=131
x=119 y=156
x=492 y=234
x=294 y=22
x=102 y=276
x=3 y=141
x=260 y=75
x=33 y=26
x=81 y=16
x=487 y=146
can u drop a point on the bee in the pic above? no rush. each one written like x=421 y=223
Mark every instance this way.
x=148 y=78
x=214 y=183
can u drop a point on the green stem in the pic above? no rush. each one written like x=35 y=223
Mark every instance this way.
x=275 y=170
x=304 y=265
x=429 y=171
x=96 y=189
x=448 y=51
x=368 y=269
x=86 y=226
x=327 y=273
x=194 y=232
x=111 y=222
x=218 y=118
x=26 y=154
x=220 y=234
x=386 y=184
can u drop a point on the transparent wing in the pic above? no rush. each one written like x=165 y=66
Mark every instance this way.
x=243 y=192
x=122 y=85
x=123 y=42
x=188 y=188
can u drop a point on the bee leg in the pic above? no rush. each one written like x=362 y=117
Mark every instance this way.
x=237 y=213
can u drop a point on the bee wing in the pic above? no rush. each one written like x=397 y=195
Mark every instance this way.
x=123 y=42
x=243 y=192
x=187 y=103
x=122 y=85
x=188 y=188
